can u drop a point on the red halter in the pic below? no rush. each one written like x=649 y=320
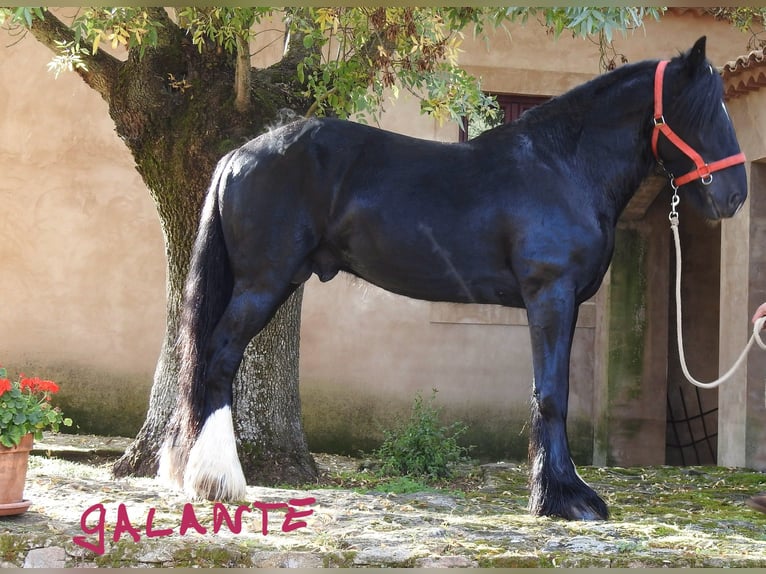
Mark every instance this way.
x=704 y=170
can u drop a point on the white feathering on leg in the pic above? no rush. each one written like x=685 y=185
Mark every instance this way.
x=167 y=473
x=213 y=470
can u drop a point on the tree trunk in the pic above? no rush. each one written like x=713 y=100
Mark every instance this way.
x=176 y=137
x=272 y=444
x=267 y=416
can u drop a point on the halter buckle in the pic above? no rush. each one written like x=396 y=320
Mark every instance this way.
x=659 y=121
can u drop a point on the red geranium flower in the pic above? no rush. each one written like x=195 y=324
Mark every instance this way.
x=37 y=385
x=49 y=386
x=27 y=408
x=28 y=384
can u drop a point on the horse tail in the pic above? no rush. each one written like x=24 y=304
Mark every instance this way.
x=207 y=292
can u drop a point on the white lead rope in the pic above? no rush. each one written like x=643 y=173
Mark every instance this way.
x=756 y=336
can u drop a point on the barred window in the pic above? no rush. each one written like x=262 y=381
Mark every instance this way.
x=511 y=108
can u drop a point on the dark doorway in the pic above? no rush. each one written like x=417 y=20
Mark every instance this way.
x=692 y=413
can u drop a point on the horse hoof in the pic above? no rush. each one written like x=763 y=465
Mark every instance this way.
x=572 y=500
x=590 y=510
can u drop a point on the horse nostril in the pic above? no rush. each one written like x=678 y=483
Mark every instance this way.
x=735 y=202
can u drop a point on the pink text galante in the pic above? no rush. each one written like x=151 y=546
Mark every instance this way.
x=93 y=521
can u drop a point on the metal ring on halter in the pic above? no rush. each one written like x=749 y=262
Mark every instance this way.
x=707 y=179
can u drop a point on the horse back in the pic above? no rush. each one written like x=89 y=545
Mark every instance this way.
x=430 y=220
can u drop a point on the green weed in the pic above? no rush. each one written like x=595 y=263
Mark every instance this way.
x=422 y=446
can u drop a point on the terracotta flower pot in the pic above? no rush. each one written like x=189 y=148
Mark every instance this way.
x=13 y=474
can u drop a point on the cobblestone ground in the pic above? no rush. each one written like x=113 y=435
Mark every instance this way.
x=662 y=517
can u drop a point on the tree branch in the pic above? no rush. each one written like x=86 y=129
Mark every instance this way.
x=242 y=81
x=102 y=68
x=167 y=34
x=295 y=50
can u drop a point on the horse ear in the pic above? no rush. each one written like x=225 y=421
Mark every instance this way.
x=696 y=57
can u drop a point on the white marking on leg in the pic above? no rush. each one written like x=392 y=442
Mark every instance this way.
x=213 y=470
x=167 y=472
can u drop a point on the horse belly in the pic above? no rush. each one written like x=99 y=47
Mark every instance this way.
x=420 y=262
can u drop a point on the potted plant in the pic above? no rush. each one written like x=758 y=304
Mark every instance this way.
x=25 y=412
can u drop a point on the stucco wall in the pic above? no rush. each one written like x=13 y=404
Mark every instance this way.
x=81 y=252
x=82 y=259
x=754 y=406
x=742 y=412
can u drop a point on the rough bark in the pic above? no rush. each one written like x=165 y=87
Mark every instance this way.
x=271 y=439
x=176 y=137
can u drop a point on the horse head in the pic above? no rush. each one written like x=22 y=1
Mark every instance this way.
x=693 y=137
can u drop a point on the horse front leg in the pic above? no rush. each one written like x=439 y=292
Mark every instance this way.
x=555 y=487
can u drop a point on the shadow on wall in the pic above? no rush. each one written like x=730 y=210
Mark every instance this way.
x=338 y=422
x=98 y=402
x=334 y=421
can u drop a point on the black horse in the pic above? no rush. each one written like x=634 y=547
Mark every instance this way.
x=523 y=216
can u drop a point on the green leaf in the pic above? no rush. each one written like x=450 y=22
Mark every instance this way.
x=26 y=15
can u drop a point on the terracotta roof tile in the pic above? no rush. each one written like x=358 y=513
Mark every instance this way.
x=681 y=10
x=745 y=74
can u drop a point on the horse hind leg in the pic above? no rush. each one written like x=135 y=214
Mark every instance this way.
x=213 y=470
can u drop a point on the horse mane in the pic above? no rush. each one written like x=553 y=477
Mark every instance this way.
x=569 y=110
x=694 y=104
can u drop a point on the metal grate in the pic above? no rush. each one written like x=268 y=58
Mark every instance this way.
x=692 y=431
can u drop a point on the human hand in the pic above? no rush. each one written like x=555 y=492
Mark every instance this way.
x=759 y=312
